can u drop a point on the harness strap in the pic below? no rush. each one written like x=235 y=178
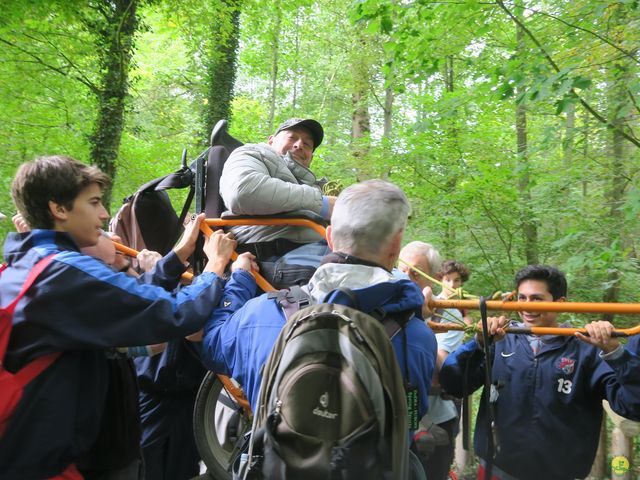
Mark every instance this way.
x=37 y=269
x=492 y=443
x=291 y=299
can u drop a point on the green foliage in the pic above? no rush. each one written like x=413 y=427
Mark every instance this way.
x=456 y=71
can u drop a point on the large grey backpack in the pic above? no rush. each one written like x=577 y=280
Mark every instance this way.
x=332 y=401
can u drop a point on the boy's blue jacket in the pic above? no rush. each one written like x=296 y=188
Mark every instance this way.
x=237 y=341
x=549 y=406
x=80 y=306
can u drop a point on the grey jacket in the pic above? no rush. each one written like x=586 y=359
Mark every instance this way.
x=257 y=181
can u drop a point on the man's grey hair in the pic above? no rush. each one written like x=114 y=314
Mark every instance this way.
x=425 y=250
x=367 y=215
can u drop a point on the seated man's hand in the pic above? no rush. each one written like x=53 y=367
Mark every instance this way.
x=600 y=336
x=496 y=327
x=245 y=261
x=218 y=249
x=187 y=243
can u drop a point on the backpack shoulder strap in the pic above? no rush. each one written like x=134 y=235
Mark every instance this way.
x=34 y=368
x=37 y=269
x=291 y=299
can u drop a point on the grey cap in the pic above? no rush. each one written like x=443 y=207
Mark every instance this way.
x=314 y=128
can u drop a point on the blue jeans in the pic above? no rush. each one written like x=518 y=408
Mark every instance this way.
x=295 y=267
x=307 y=255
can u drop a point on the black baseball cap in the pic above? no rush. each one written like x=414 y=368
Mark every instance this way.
x=314 y=128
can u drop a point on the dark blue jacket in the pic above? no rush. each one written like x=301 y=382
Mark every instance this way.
x=237 y=341
x=168 y=381
x=549 y=406
x=79 y=306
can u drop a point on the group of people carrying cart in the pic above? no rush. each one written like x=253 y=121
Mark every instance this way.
x=543 y=392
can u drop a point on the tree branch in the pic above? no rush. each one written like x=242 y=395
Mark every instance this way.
x=626 y=53
x=553 y=64
x=51 y=67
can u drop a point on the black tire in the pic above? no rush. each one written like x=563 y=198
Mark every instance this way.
x=214 y=454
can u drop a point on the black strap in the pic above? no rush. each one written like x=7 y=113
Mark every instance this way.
x=392 y=325
x=491 y=416
x=291 y=299
x=355 y=303
x=264 y=250
x=466 y=409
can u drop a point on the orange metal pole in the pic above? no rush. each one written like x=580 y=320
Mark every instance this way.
x=625 y=332
x=569 y=307
x=234 y=391
x=134 y=253
x=294 y=222
x=260 y=280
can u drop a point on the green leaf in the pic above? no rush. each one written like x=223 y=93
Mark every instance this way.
x=581 y=82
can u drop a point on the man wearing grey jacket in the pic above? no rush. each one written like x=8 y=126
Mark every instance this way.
x=272 y=178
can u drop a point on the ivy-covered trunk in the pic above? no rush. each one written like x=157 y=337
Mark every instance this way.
x=116 y=32
x=221 y=66
x=527 y=210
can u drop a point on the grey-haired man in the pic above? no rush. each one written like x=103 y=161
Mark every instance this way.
x=271 y=178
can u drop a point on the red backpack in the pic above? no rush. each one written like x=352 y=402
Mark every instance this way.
x=12 y=384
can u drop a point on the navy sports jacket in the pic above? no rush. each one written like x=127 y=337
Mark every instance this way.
x=549 y=405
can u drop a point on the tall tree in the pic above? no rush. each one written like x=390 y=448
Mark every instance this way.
x=275 y=56
x=115 y=26
x=527 y=212
x=222 y=52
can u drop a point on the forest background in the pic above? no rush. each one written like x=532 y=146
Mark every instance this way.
x=512 y=126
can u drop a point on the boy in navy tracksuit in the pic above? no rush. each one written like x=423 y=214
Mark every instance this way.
x=549 y=389
x=79 y=306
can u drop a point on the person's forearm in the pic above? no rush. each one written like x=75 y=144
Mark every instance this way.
x=216 y=265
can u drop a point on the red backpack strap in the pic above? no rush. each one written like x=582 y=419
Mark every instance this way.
x=35 y=368
x=37 y=269
x=7 y=312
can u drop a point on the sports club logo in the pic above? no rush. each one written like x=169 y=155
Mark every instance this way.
x=566 y=365
x=620 y=465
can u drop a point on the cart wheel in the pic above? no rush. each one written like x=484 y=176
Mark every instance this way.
x=219 y=425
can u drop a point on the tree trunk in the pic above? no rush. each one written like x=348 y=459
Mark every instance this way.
x=600 y=467
x=298 y=69
x=449 y=240
x=569 y=138
x=527 y=213
x=275 y=54
x=621 y=75
x=388 y=111
x=585 y=150
x=221 y=64
x=115 y=49
x=615 y=199
x=360 y=120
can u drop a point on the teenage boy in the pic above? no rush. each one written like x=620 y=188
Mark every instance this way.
x=79 y=307
x=546 y=391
